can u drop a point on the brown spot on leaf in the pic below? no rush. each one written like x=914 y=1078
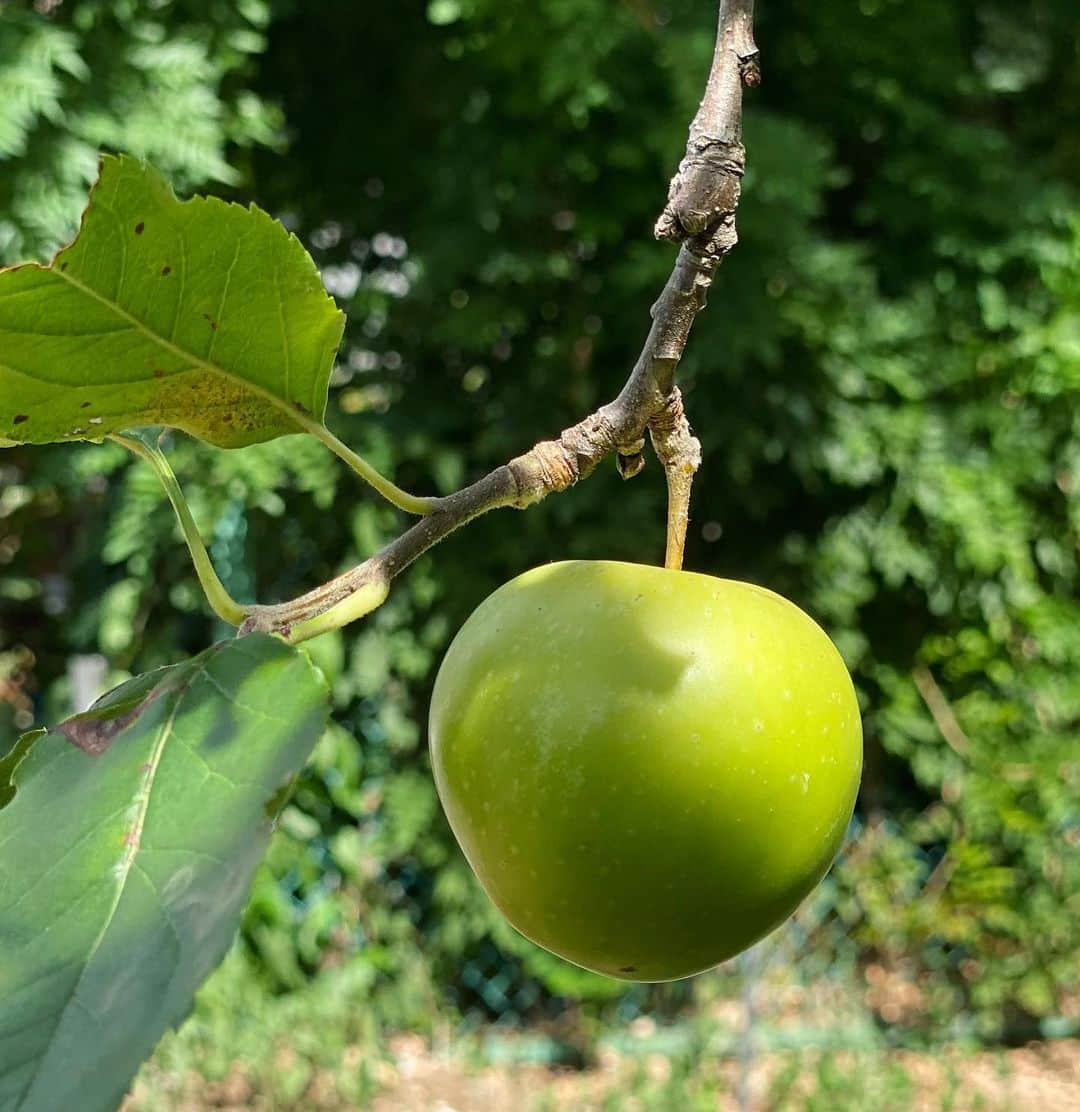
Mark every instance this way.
x=131 y=838
x=210 y=320
x=166 y=270
x=63 y=267
x=628 y=969
x=302 y=408
x=19 y=418
x=95 y=730
x=85 y=405
x=158 y=373
x=95 y=735
x=139 y=228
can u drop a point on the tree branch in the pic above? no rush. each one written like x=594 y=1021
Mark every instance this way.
x=705 y=191
x=700 y=215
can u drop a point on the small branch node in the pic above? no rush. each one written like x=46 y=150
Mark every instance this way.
x=742 y=37
x=630 y=458
x=546 y=467
x=705 y=188
x=750 y=70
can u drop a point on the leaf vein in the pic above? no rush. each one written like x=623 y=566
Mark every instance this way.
x=169 y=345
x=64 y=856
x=224 y=295
x=231 y=696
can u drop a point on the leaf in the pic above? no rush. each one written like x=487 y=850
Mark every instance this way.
x=11 y=760
x=123 y=875
x=200 y=315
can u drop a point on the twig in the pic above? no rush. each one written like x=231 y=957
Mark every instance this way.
x=700 y=215
x=705 y=191
x=941 y=711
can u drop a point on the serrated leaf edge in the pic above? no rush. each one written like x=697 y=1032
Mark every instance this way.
x=303 y=422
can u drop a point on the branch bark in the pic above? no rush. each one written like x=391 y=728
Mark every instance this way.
x=700 y=216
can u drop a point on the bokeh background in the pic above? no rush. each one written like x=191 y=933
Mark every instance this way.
x=885 y=384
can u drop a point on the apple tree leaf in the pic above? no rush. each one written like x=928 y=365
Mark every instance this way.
x=200 y=315
x=127 y=851
x=10 y=761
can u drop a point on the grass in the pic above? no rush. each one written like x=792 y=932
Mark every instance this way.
x=332 y=1046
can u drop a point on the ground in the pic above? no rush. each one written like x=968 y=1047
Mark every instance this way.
x=414 y=1077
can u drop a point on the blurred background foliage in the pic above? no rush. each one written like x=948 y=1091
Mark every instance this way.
x=885 y=385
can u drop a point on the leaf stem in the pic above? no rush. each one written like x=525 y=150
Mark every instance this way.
x=410 y=503
x=221 y=602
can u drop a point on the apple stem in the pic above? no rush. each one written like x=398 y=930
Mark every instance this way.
x=677 y=517
x=680 y=453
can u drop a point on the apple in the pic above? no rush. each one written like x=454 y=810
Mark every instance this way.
x=647 y=769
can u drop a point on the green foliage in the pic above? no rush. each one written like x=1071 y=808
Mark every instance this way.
x=198 y=315
x=161 y=81
x=127 y=861
x=884 y=383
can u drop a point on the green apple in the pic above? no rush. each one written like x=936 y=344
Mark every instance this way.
x=647 y=769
